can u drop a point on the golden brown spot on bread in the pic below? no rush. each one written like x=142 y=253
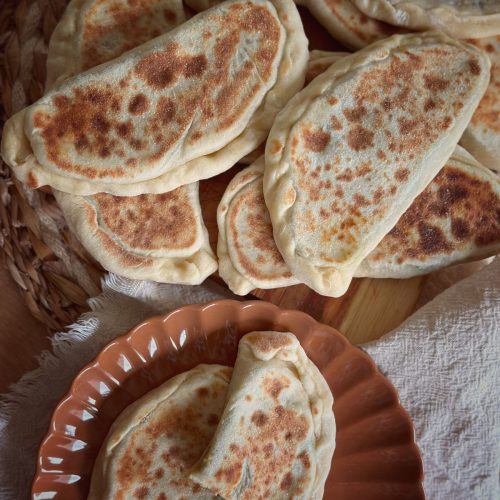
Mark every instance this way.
x=304 y=458
x=474 y=67
x=377 y=195
x=402 y=174
x=432 y=239
x=406 y=126
x=339 y=192
x=40 y=119
x=138 y=104
x=316 y=141
x=435 y=83
x=195 y=66
x=276 y=146
x=259 y=418
x=459 y=228
x=136 y=144
x=229 y=475
x=356 y=114
x=360 y=138
x=161 y=69
x=266 y=342
x=286 y=482
x=165 y=110
x=141 y=492
x=446 y=122
x=273 y=385
x=346 y=176
x=268 y=449
x=364 y=169
x=360 y=200
x=100 y=123
x=447 y=196
x=124 y=129
x=61 y=101
x=336 y=125
x=429 y=104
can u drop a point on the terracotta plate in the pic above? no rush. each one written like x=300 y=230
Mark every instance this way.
x=375 y=457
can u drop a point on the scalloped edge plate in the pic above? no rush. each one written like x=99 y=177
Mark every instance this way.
x=375 y=456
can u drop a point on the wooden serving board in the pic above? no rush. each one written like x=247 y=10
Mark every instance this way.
x=371 y=307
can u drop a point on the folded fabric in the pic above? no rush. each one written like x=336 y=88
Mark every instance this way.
x=444 y=362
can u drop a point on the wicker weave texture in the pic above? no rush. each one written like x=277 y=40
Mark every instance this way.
x=54 y=273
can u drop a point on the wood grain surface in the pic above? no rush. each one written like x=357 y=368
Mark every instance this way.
x=22 y=337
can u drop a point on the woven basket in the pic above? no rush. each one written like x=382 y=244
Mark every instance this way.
x=53 y=271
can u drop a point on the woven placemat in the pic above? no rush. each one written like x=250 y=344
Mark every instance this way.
x=53 y=271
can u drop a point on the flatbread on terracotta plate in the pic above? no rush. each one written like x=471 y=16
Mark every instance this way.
x=457 y=18
x=92 y=32
x=347 y=155
x=482 y=136
x=276 y=436
x=347 y=24
x=184 y=106
x=454 y=220
x=155 y=441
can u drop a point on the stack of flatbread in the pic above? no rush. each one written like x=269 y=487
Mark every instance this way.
x=266 y=431
x=341 y=192
x=123 y=137
x=355 y=163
